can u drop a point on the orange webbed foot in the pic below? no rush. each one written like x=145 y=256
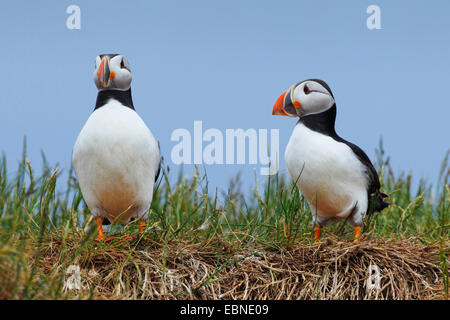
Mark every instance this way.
x=99 y=221
x=357 y=234
x=317 y=230
x=142 y=226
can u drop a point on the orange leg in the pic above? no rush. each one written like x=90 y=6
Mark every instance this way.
x=142 y=225
x=317 y=233
x=357 y=234
x=100 y=229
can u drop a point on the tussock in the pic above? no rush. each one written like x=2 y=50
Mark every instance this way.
x=329 y=270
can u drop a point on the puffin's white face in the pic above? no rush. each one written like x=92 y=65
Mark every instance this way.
x=112 y=72
x=304 y=98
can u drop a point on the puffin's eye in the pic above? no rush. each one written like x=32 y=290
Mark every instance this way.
x=306 y=90
x=122 y=64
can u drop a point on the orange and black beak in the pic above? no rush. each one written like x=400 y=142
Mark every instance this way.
x=284 y=106
x=104 y=73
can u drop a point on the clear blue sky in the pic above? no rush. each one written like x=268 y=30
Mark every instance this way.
x=225 y=63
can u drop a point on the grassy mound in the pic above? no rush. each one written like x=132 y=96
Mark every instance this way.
x=329 y=270
x=197 y=246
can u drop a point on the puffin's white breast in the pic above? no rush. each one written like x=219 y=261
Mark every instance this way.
x=328 y=173
x=116 y=159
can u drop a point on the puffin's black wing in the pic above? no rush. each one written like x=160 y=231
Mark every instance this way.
x=159 y=166
x=374 y=195
x=159 y=170
x=374 y=180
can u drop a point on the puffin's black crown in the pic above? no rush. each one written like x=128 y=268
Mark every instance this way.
x=321 y=82
x=110 y=55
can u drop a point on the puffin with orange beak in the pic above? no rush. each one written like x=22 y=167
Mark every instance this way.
x=335 y=176
x=116 y=158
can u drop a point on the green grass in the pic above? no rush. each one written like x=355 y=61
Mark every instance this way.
x=36 y=218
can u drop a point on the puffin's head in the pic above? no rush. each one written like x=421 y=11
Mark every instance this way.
x=112 y=72
x=310 y=96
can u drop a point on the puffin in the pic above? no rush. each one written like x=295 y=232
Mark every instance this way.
x=115 y=157
x=336 y=177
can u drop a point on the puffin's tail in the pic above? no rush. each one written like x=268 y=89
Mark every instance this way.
x=380 y=204
x=377 y=202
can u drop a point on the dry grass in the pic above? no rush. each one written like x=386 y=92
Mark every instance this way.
x=329 y=270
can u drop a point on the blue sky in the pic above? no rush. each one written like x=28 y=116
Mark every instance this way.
x=225 y=63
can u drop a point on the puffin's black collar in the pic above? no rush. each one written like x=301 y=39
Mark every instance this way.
x=124 y=97
x=322 y=122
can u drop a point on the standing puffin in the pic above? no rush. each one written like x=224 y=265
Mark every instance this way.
x=116 y=158
x=335 y=176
